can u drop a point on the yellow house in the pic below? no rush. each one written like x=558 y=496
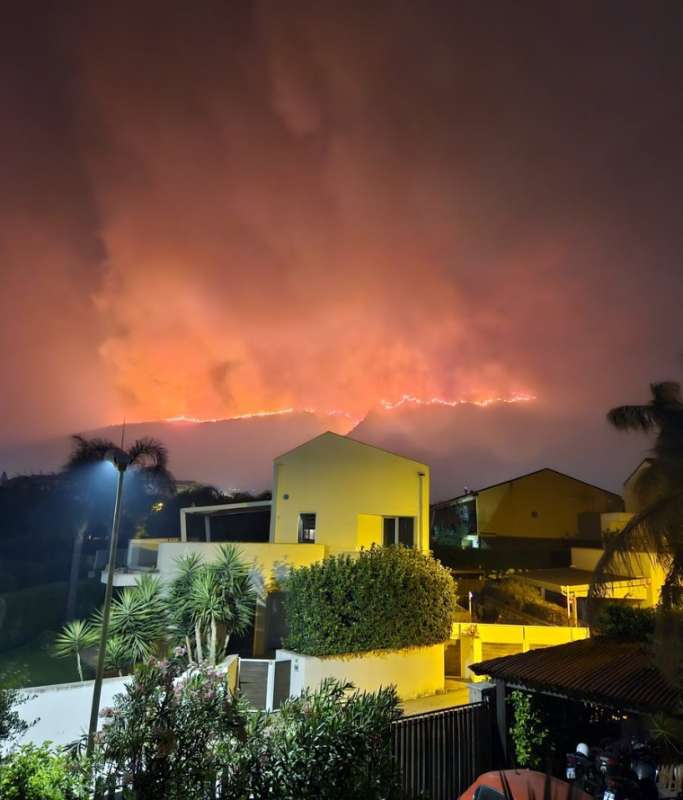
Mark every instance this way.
x=631 y=499
x=347 y=495
x=542 y=505
x=331 y=495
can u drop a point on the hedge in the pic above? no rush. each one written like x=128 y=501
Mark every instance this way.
x=26 y=613
x=384 y=599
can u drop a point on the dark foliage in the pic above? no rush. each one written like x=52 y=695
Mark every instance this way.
x=386 y=598
x=621 y=621
x=658 y=528
x=26 y=613
x=324 y=745
x=11 y=724
x=186 y=737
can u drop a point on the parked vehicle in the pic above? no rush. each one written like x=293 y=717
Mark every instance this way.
x=521 y=784
x=582 y=771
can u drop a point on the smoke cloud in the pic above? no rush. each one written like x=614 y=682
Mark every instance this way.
x=242 y=206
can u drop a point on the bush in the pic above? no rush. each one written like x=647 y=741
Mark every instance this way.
x=529 y=732
x=621 y=621
x=41 y=773
x=11 y=724
x=325 y=745
x=517 y=594
x=386 y=598
x=172 y=739
x=169 y=736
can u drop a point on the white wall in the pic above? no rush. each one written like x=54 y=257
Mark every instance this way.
x=415 y=671
x=63 y=710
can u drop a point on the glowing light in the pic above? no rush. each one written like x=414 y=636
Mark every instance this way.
x=387 y=405
x=409 y=399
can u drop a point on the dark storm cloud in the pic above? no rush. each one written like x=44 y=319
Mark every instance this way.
x=342 y=203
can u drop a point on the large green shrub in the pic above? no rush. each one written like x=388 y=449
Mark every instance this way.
x=324 y=745
x=42 y=773
x=386 y=598
x=170 y=736
x=187 y=738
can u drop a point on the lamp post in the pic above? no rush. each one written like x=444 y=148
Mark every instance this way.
x=121 y=461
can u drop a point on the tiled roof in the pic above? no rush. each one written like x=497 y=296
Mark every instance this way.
x=617 y=674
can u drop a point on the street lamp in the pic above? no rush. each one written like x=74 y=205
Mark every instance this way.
x=121 y=460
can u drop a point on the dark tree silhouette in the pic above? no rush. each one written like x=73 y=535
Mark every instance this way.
x=657 y=529
x=149 y=477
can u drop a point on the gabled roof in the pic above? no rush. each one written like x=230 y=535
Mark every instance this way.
x=617 y=674
x=646 y=460
x=519 y=478
x=332 y=434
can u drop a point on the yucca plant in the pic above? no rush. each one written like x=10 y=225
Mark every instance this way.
x=232 y=576
x=75 y=637
x=179 y=609
x=138 y=617
x=208 y=603
x=117 y=655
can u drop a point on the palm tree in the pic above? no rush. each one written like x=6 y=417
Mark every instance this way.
x=658 y=528
x=180 y=614
x=76 y=637
x=117 y=656
x=211 y=602
x=138 y=619
x=152 y=475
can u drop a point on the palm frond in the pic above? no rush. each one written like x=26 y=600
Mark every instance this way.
x=75 y=637
x=86 y=452
x=118 y=655
x=148 y=452
x=655 y=531
x=667 y=393
x=638 y=418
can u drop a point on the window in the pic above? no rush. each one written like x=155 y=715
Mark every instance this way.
x=399 y=530
x=306 y=528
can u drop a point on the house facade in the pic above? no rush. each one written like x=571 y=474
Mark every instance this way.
x=542 y=505
x=331 y=495
x=347 y=495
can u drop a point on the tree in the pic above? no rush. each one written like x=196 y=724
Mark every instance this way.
x=199 y=611
x=658 y=528
x=221 y=603
x=76 y=637
x=11 y=724
x=150 y=478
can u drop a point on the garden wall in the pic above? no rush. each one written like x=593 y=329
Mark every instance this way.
x=63 y=710
x=481 y=641
x=415 y=671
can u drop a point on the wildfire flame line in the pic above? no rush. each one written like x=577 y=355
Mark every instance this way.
x=387 y=405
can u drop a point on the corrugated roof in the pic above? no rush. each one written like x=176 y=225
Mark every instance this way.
x=621 y=675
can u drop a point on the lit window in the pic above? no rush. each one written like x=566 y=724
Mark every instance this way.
x=399 y=530
x=157 y=506
x=306 y=528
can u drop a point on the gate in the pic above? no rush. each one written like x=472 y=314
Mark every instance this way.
x=264 y=683
x=441 y=753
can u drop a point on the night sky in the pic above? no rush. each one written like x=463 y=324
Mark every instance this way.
x=216 y=208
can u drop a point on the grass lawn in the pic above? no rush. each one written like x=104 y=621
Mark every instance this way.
x=32 y=665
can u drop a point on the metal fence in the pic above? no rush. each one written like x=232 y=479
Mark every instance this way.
x=441 y=753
